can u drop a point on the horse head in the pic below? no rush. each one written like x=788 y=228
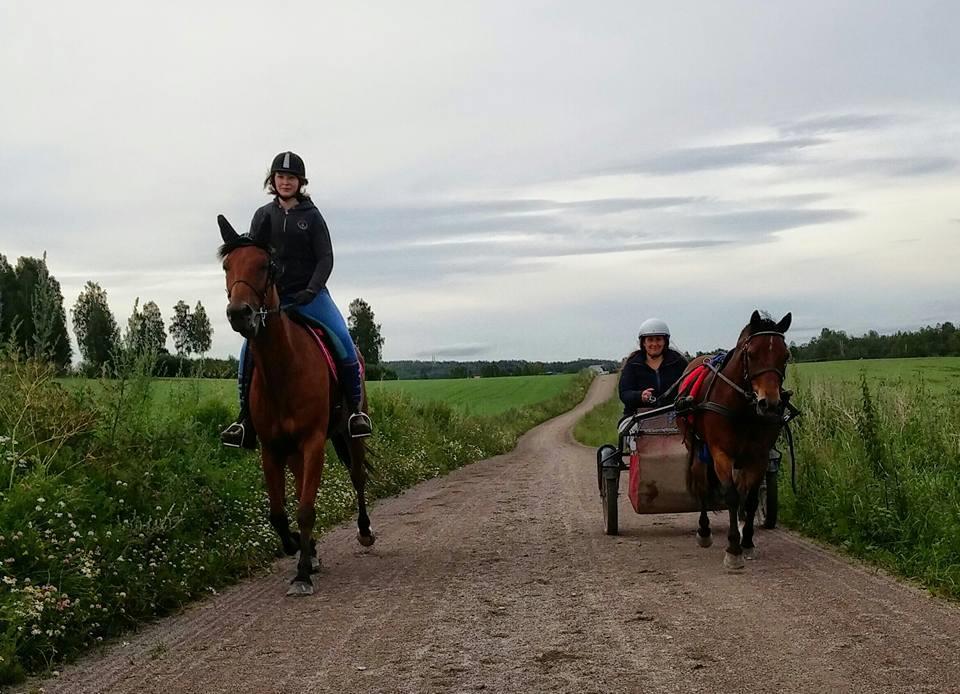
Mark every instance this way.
x=765 y=356
x=250 y=274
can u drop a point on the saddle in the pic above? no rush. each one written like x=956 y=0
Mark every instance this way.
x=320 y=338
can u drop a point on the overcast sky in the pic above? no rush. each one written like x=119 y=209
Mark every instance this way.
x=501 y=179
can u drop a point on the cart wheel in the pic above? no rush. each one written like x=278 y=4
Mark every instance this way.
x=769 y=502
x=609 y=498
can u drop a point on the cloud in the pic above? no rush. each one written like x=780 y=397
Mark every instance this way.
x=459 y=351
x=678 y=161
x=843 y=122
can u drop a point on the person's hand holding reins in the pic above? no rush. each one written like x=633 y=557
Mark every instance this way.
x=304 y=296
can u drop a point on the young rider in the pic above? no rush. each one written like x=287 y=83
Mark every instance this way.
x=301 y=244
x=652 y=369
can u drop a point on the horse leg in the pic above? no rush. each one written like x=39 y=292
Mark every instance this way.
x=308 y=482
x=753 y=500
x=273 y=475
x=704 y=537
x=353 y=453
x=733 y=558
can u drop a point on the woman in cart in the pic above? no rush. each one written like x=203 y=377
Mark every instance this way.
x=650 y=371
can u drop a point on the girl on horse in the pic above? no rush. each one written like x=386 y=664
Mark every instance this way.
x=296 y=231
x=650 y=371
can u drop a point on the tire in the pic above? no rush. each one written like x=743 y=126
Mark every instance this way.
x=769 y=502
x=609 y=498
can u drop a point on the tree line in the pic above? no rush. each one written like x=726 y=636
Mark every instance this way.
x=940 y=340
x=34 y=321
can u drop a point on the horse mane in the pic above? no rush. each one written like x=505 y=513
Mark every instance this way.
x=239 y=242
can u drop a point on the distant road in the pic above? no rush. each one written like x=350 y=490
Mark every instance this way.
x=498 y=578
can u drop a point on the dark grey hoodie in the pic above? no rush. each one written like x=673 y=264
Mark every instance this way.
x=301 y=243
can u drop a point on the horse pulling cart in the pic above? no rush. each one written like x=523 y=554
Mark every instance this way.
x=651 y=450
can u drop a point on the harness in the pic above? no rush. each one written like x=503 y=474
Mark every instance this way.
x=749 y=397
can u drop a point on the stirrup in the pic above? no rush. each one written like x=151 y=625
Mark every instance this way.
x=239 y=435
x=359 y=425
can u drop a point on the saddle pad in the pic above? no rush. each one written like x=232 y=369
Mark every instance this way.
x=319 y=336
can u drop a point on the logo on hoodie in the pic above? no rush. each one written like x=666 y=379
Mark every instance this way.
x=302 y=224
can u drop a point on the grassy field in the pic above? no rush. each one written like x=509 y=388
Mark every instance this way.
x=878 y=458
x=472 y=396
x=481 y=396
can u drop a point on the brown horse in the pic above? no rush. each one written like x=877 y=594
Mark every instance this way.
x=737 y=415
x=292 y=402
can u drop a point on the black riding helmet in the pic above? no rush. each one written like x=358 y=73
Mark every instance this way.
x=288 y=162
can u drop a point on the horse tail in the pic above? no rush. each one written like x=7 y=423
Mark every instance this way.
x=341 y=445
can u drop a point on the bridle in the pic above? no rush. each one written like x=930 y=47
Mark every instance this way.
x=748 y=376
x=260 y=313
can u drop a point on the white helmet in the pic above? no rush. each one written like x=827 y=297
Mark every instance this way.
x=653 y=326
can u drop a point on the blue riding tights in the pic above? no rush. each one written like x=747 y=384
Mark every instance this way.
x=323 y=312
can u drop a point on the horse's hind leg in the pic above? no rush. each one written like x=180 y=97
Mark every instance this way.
x=353 y=453
x=704 y=537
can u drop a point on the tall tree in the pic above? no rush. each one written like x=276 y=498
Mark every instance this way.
x=33 y=309
x=365 y=331
x=201 y=332
x=95 y=327
x=8 y=286
x=145 y=331
x=180 y=328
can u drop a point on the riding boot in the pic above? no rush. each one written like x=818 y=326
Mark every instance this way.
x=359 y=424
x=241 y=433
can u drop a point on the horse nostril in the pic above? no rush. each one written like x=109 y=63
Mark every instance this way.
x=762 y=404
x=241 y=312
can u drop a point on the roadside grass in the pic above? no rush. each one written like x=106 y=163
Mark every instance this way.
x=118 y=505
x=878 y=462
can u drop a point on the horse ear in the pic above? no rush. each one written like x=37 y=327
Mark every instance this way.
x=755 y=319
x=227 y=232
x=784 y=323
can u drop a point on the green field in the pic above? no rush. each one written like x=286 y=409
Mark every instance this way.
x=481 y=396
x=474 y=396
x=939 y=374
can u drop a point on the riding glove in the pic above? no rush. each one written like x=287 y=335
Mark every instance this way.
x=304 y=296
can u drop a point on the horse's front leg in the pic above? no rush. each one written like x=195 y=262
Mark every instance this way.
x=308 y=483
x=729 y=476
x=273 y=476
x=751 y=481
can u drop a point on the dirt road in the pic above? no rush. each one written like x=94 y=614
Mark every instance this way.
x=497 y=578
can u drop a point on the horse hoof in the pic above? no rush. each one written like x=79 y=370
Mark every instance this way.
x=749 y=553
x=366 y=540
x=299 y=589
x=314 y=565
x=734 y=562
x=704 y=540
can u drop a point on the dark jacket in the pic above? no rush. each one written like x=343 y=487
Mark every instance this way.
x=301 y=244
x=636 y=377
